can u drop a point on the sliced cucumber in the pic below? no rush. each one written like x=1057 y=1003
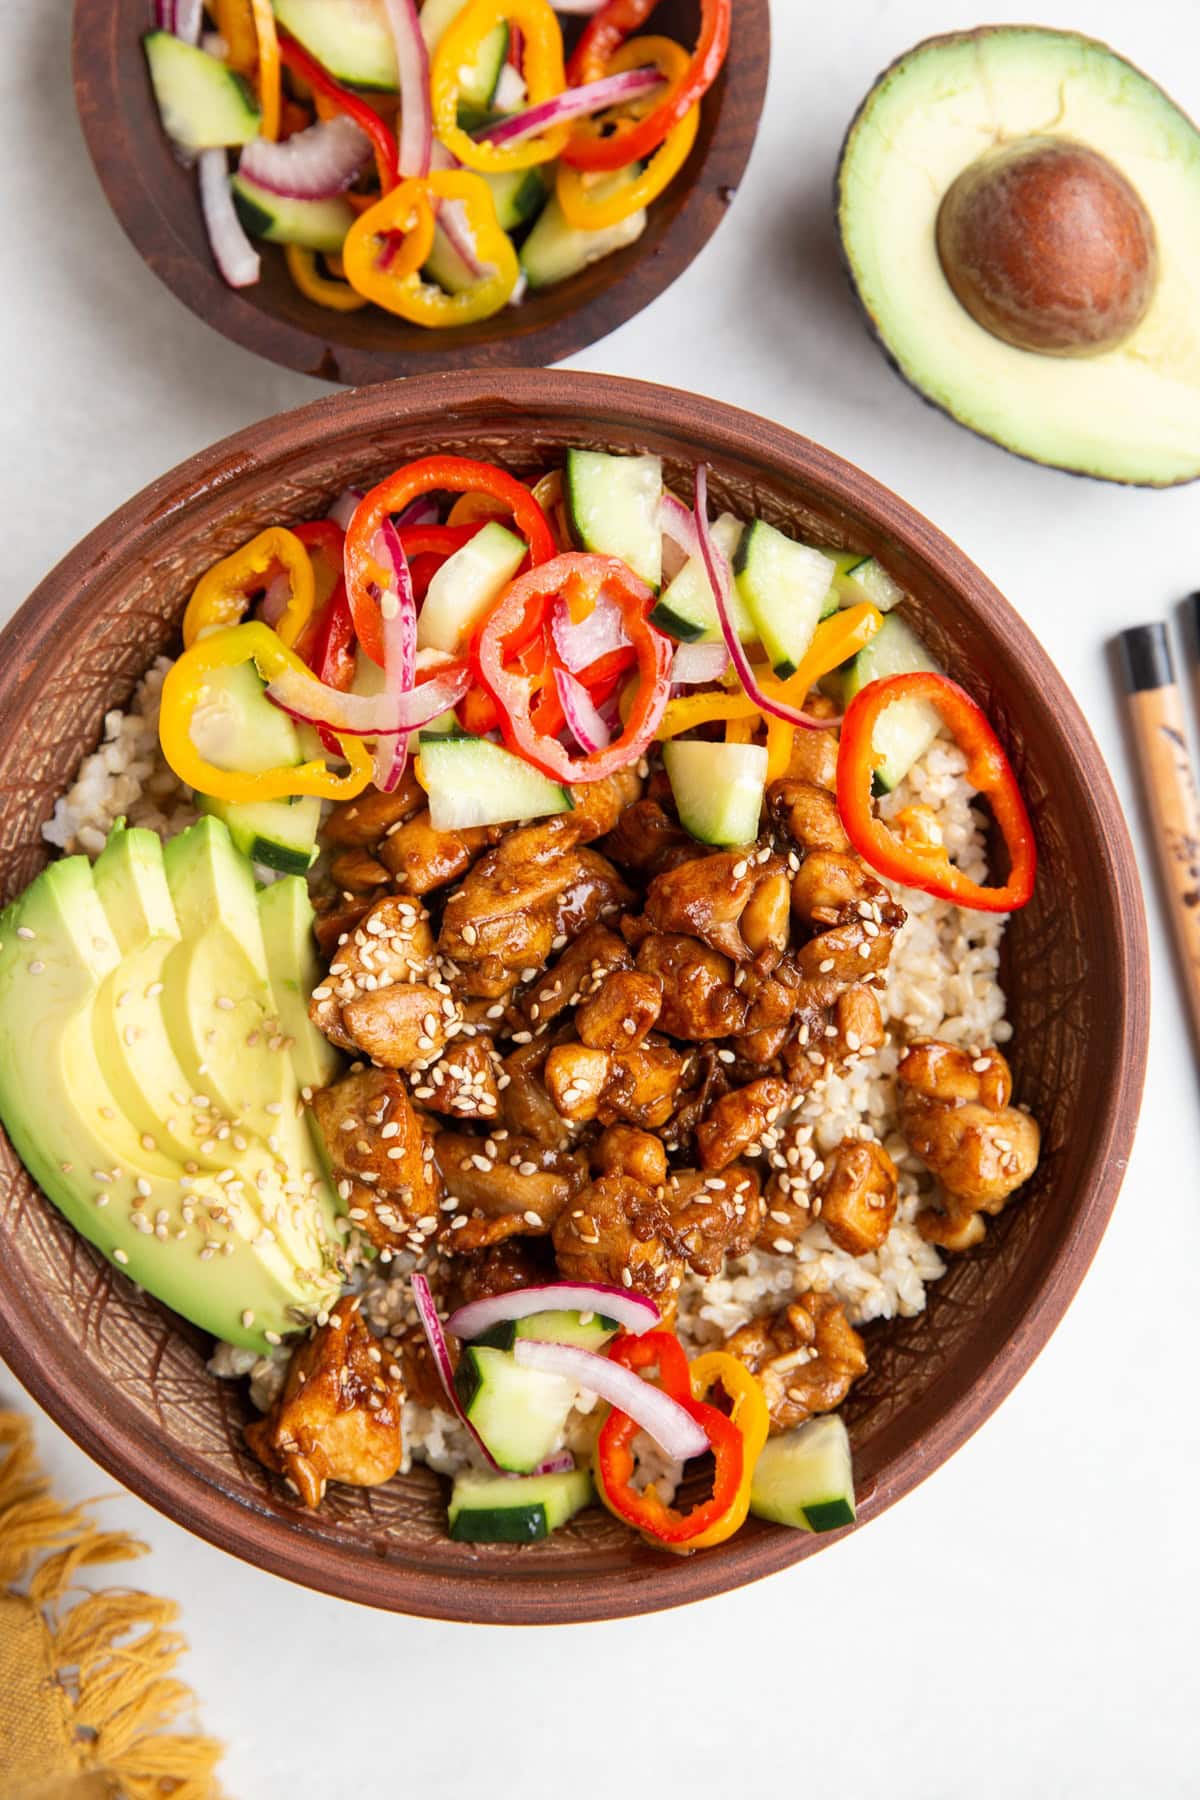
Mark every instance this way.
x=687 y=609
x=471 y=781
x=585 y=1331
x=350 y=38
x=279 y=834
x=613 y=504
x=862 y=578
x=519 y=1413
x=446 y=267
x=784 y=585
x=906 y=728
x=554 y=250
x=313 y=224
x=236 y=727
x=519 y=194
x=503 y=1509
x=718 y=788
x=466 y=585
x=805 y=1478
x=203 y=104
x=478 y=82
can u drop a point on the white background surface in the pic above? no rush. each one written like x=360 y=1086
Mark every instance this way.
x=1024 y=1623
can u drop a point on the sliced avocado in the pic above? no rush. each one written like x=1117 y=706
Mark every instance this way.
x=1002 y=129
x=286 y=916
x=237 y=1259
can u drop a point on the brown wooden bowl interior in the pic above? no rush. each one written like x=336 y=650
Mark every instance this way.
x=127 y=1380
x=156 y=202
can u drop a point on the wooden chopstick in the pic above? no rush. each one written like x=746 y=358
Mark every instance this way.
x=1157 y=717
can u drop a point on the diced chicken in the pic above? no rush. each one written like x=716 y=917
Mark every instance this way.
x=358 y=872
x=609 y=1234
x=735 y=1123
x=516 y=1262
x=709 y=1217
x=510 y=1187
x=831 y=1039
x=832 y=886
x=462 y=1083
x=814 y=755
x=598 y=808
x=787 y=1214
x=856 y=1195
x=807 y=1358
x=706 y=898
x=400 y=1027
x=361 y=823
x=620 y=1013
x=808 y=812
x=338 y=1415
x=648 y=841
x=390 y=944
x=422 y=859
x=524 y=1100
x=336 y=917
x=625 y=1150
x=699 y=999
x=419 y=1375
x=638 y=1084
x=765 y=923
x=955 y=1112
x=381 y=1158
x=576 y=974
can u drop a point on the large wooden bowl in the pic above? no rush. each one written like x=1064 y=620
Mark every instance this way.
x=127 y=1380
x=157 y=204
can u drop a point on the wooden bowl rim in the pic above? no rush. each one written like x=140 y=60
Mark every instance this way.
x=145 y=1462
x=711 y=176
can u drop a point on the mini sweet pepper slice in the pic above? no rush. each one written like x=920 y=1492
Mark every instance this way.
x=596 y=204
x=602 y=36
x=223 y=593
x=541 y=66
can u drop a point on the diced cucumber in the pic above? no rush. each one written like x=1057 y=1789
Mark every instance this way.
x=446 y=267
x=552 y=1328
x=503 y=1509
x=554 y=250
x=906 y=728
x=350 y=38
x=467 y=584
x=687 y=609
x=471 y=781
x=477 y=84
x=519 y=194
x=718 y=788
x=805 y=1478
x=313 y=224
x=519 y=1413
x=236 y=727
x=203 y=104
x=862 y=578
x=785 y=586
x=613 y=505
x=280 y=834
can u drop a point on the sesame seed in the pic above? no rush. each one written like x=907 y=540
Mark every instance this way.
x=739 y=869
x=532 y=1218
x=36 y=968
x=247 y=1318
x=980 y=1066
x=470 y=935
x=825 y=967
x=118 y=1255
x=23 y=931
x=224 y=1003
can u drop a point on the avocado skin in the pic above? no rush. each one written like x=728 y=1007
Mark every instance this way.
x=947 y=39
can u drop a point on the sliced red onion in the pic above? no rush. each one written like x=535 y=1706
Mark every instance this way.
x=188 y=20
x=679 y=525
x=440 y=1351
x=580 y=7
x=673 y=1429
x=399 y=654
x=584 y=722
x=416 y=110
x=632 y=1311
x=232 y=250
x=580 y=643
x=717 y=568
x=164 y=14
x=452 y=217
x=316 y=164
x=572 y=103
x=561 y=1463
x=421 y=511
x=273 y=604
x=697 y=663
x=367 y=715
x=344 y=507
x=510 y=91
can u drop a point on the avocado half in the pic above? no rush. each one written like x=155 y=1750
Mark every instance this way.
x=1126 y=411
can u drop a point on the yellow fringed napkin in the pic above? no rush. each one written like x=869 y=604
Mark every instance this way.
x=87 y=1690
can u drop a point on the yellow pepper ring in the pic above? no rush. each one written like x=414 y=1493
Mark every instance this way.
x=542 y=67
x=222 y=594
x=595 y=202
x=405 y=293
x=335 y=296
x=183 y=691
x=748 y=1411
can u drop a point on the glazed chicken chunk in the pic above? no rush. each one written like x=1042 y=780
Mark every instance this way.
x=807 y=1358
x=638 y=1084
x=708 y=897
x=856 y=1195
x=381 y=1158
x=610 y=1233
x=709 y=1217
x=337 y=1417
x=502 y=1187
x=390 y=946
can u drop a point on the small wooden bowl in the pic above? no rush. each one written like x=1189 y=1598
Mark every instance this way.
x=127 y=1380
x=158 y=206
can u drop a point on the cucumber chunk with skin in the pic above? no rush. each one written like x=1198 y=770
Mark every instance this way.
x=785 y=586
x=862 y=578
x=203 y=104
x=501 y=1509
x=906 y=728
x=279 y=834
x=687 y=610
x=613 y=506
x=468 y=583
x=312 y=224
x=805 y=1478
x=554 y=250
x=471 y=781
x=718 y=788
x=585 y=1331
x=350 y=38
x=519 y=1413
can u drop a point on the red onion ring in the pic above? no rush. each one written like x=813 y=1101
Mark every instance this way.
x=416 y=107
x=573 y=103
x=440 y=1351
x=343 y=508
x=580 y=644
x=316 y=164
x=583 y=721
x=188 y=20
x=632 y=1311
x=399 y=655
x=233 y=253
x=561 y=1463
x=673 y=1429
x=717 y=569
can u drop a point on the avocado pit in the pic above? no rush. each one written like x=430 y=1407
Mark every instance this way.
x=1049 y=247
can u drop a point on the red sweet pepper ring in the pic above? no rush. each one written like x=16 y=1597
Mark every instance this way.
x=922 y=864
x=434 y=474
x=520 y=613
x=615 y=1463
x=323 y=540
x=603 y=34
x=387 y=156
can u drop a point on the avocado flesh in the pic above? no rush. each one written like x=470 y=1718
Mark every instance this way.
x=84 y=1054
x=285 y=916
x=1129 y=414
